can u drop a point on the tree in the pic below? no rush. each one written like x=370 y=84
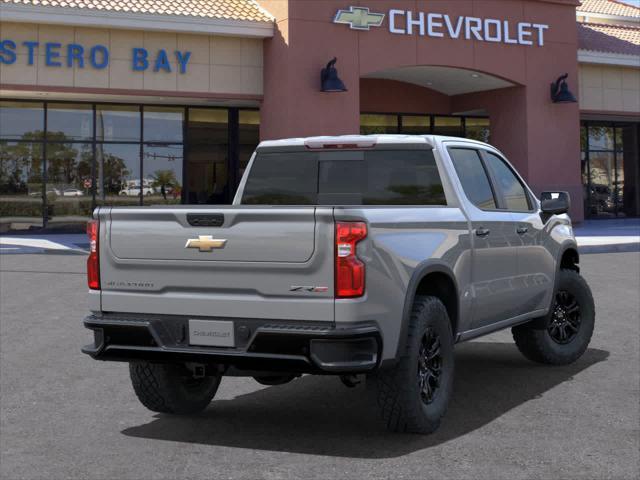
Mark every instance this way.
x=164 y=179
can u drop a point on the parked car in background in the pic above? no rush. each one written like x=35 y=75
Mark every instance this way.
x=347 y=256
x=72 y=192
x=134 y=190
x=50 y=191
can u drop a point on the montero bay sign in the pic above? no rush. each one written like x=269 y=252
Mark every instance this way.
x=441 y=25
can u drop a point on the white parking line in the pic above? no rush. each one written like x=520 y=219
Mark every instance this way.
x=32 y=242
x=595 y=241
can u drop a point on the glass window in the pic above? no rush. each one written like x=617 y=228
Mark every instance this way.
x=601 y=138
x=69 y=198
x=118 y=174
x=20 y=185
x=473 y=177
x=118 y=123
x=478 y=129
x=450 y=126
x=378 y=124
x=69 y=167
x=163 y=124
x=346 y=178
x=416 y=124
x=602 y=177
x=249 y=137
x=162 y=168
x=67 y=121
x=628 y=169
x=282 y=179
x=511 y=189
x=207 y=156
x=21 y=120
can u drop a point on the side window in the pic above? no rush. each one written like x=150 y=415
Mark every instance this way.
x=509 y=187
x=473 y=177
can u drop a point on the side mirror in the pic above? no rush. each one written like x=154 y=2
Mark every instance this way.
x=555 y=203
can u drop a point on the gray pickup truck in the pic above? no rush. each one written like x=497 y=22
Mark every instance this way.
x=352 y=256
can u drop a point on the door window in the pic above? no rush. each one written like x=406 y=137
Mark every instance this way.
x=510 y=189
x=473 y=177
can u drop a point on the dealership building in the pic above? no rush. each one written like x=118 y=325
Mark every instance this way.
x=129 y=102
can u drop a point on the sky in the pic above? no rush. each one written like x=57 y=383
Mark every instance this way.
x=635 y=3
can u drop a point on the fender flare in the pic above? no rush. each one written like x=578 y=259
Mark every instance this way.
x=542 y=322
x=421 y=271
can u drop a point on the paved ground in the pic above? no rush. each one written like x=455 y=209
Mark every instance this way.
x=66 y=416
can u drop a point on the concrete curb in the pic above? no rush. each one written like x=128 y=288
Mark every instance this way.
x=619 y=248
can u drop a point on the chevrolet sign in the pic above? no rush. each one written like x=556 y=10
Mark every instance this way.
x=359 y=18
x=441 y=25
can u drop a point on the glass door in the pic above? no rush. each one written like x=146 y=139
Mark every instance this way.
x=610 y=169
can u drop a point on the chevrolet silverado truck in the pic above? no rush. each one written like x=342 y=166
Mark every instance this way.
x=356 y=256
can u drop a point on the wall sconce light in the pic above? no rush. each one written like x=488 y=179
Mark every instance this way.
x=560 y=92
x=329 y=80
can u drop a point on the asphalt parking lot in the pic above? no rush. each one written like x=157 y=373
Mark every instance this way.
x=64 y=415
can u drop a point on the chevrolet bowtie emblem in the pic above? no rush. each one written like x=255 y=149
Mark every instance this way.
x=205 y=243
x=359 y=18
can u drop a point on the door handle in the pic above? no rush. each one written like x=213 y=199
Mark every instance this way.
x=482 y=232
x=522 y=230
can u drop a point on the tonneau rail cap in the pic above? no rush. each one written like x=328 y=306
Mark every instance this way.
x=348 y=142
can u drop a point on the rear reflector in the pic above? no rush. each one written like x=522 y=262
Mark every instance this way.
x=349 y=270
x=93 y=262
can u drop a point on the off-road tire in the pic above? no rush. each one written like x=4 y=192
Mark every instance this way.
x=538 y=345
x=172 y=389
x=398 y=391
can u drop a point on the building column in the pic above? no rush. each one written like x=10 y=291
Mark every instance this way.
x=293 y=104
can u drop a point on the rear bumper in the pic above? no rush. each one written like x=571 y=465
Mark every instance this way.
x=301 y=347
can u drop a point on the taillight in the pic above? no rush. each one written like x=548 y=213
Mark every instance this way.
x=349 y=269
x=93 y=262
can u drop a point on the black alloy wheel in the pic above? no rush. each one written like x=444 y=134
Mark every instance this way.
x=565 y=318
x=429 y=366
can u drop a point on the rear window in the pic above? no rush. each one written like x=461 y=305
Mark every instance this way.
x=375 y=177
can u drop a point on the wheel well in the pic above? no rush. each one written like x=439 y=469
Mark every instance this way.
x=570 y=260
x=440 y=285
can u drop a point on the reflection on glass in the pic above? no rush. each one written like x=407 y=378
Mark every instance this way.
x=378 y=124
x=20 y=185
x=512 y=190
x=118 y=174
x=416 y=124
x=207 y=156
x=450 y=126
x=163 y=124
x=21 y=120
x=601 y=138
x=619 y=186
x=249 y=138
x=118 y=123
x=67 y=121
x=473 y=177
x=162 y=167
x=602 y=184
x=69 y=198
x=629 y=169
x=478 y=129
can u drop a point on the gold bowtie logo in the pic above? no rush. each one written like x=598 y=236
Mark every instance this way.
x=205 y=243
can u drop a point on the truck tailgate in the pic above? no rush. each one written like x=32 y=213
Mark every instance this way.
x=247 y=264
